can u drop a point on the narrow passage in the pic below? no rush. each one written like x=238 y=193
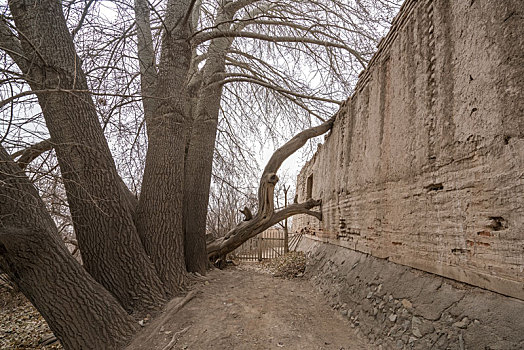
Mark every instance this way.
x=243 y=308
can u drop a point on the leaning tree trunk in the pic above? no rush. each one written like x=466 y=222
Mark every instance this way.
x=199 y=164
x=266 y=215
x=160 y=207
x=107 y=237
x=197 y=179
x=201 y=146
x=33 y=255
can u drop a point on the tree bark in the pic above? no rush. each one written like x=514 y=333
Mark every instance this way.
x=266 y=215
x=35 y=258
x=146 y=56
x=199 y=158
x=286 y=232
x=102 y=217
x=160 y=206
x=199 y=164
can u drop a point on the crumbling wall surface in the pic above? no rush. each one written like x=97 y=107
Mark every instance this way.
x=425 y=163
x=397 y=307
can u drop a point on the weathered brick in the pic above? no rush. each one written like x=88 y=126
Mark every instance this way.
x=425 y=163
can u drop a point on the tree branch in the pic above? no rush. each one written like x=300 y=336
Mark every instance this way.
x=298 y=208
x=11 y=45
x=82 y=18
x=32 y=152
x=295 y=143
x=146 y=54
x=247 y=79
x=203 y=37
x=239 y=4
x=241 y=233
x=14 y=97
x=29 y=154
x=266 y=215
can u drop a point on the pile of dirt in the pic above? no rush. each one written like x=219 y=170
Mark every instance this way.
x=289 y=265
x=21 y=326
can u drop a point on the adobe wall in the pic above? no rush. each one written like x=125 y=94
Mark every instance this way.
x=425 y=163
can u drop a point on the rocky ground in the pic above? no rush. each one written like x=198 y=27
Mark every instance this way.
x=396 y=307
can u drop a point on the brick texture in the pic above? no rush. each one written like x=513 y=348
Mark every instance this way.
x=425 y=163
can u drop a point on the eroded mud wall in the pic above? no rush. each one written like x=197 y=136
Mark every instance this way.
x=425 y=163
x=397 y=307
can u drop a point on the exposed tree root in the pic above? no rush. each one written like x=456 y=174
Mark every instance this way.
x=171 y=310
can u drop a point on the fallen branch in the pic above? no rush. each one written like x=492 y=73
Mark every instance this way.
x=266 y=215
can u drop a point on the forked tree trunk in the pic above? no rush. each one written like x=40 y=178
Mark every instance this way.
x=266 y=215
x=160 y=207
x=80 y=312
x=111 y=248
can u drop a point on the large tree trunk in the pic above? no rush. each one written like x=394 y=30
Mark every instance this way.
x=199 y=158
x=111 y=248
x=199 y=165
x=33 y=255
x=160 y=207
x=196 y=193
x=266 y=215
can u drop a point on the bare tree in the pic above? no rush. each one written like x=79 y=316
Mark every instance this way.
x=167 y=76
x=226 y=208
x=31 y=252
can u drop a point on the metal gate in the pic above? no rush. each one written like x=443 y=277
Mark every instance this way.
x=267 y=245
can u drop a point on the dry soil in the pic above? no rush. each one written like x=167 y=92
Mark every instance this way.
x=245 y=308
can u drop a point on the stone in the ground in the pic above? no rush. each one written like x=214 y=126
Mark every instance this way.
x=407 y=304
x=416 y=333
x=462 y=323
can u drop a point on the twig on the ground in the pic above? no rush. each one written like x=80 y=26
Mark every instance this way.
x=50 y=339
x=175 y=339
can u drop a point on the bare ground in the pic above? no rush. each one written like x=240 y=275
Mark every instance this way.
x=239 y=308
x=245 y=308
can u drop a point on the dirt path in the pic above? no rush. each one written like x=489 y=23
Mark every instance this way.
x=241 y=308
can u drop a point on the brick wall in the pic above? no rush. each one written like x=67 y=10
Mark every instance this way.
x=425 y=163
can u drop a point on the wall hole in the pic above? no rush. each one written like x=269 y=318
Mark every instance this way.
x=434 y=187
x=498 y=223
x=309 y=187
